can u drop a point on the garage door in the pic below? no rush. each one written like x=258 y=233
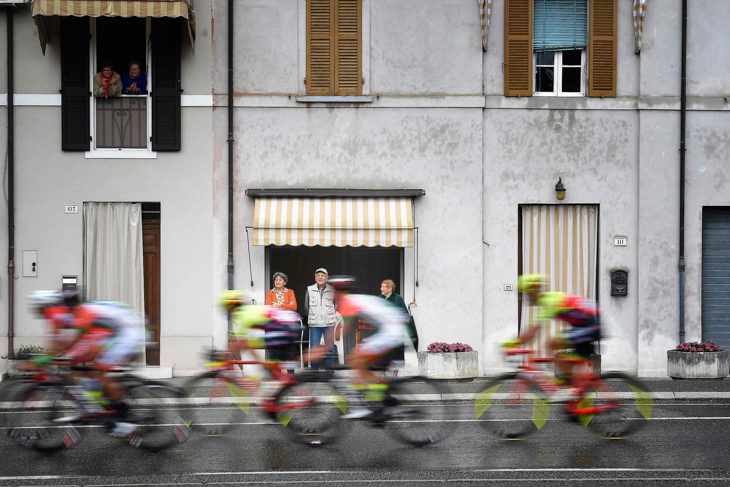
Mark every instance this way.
x=716 y=275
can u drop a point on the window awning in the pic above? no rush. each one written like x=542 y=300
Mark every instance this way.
x=109 y=8
x=339 y=222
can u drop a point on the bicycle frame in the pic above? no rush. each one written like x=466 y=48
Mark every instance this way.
x=583 y=379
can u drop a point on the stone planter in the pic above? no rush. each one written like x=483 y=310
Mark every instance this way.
x=11 y=368
x=453 y=365
x=698 y=365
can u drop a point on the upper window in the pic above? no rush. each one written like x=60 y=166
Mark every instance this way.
x=560 y=47
x=334 y=47
x=120 y=95
x=121 y=92
x=559 y=43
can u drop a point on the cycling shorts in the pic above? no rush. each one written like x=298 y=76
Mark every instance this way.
x=121 y=348
x=385 y=339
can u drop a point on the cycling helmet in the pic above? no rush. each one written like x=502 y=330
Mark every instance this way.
x=232 y=299
x=531 y=282
x=342 y=283
x=40 y=300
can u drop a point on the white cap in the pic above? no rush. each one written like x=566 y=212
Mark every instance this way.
x=322 y=269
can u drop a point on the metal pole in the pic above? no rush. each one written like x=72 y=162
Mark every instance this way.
x=682 y=153
x=230 y=144
x=11 y=185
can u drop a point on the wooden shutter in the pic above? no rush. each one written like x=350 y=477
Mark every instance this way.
x=320 y=44
x=334 y=65
x=347 y=48
x=166 y=85
x=75 y=90
x=602 y=48
x=518 y=48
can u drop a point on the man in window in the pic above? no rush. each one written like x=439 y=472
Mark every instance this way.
x=107 y=82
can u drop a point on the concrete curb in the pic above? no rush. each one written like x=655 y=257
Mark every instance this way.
x=659 y=397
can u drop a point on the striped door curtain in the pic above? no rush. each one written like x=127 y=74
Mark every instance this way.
x=559 y=241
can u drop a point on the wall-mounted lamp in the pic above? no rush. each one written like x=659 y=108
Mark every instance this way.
x=560 y=190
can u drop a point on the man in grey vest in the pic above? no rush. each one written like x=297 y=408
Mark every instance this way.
x=319 y=304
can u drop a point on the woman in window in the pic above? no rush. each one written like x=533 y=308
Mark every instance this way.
x=107 y=83
x=134 y=81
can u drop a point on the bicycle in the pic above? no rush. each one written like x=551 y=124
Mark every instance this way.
x=517 y=404
x=411 y=409
x=226 y=395
x=51 y=409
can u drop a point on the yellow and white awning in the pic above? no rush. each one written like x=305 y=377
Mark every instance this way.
x=114 y=8
x=338 y=222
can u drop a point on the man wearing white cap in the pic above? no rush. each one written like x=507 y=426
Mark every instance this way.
x=319 y=304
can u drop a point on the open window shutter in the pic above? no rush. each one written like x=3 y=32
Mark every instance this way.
x=166 y=85
x=320 y=43
x=602 y=48
x=347 y=48
x=518 y=48
x=75 y=90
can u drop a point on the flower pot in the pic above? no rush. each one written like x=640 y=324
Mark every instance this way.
x=451 y=365
x=698 y=365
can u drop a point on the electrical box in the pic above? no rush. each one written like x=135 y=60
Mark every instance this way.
x=30 y=263
x=68 y=283
x=619 y=283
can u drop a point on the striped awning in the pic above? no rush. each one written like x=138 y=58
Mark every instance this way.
x=639 y=12
x=338 y=222
x=109 y=8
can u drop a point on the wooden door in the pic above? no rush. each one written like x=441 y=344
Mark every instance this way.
x=151 y=241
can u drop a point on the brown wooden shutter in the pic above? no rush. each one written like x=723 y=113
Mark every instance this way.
x=347 y=48
x=320 y=44
x=602 y=48
x=518 y=48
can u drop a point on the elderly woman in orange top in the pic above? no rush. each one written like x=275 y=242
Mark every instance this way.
x=280 y=296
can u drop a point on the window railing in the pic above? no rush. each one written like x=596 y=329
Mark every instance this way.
x=121 y=122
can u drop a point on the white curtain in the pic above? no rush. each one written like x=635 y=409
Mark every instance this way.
x=561 y=242
x=113 y=253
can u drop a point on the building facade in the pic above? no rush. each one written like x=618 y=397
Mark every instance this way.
x=415 y=142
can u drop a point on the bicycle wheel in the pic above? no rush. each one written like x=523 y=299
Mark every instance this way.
x=511 y=407
x=216 y=404
x=415 y=411
x=35 y=424
x=631 y=405
x=310 y=410
x=154 y=408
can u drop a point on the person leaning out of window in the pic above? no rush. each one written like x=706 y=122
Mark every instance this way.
x=280 y=296
x=107 y=82
x=134 y=81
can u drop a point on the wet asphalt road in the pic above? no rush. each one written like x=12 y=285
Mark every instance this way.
x=683 y=444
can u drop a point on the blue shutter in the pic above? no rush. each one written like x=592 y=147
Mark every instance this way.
x=716 y=275
x=560 y=25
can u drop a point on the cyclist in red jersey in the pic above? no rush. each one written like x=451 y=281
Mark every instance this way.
x=390 y=331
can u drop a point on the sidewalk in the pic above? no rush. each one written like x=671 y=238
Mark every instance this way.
x=663 y=391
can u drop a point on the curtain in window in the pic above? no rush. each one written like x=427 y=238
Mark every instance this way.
x=561 y=242
x=639 y=11
x=485 y=14
x=560 y=25
x=113 y=259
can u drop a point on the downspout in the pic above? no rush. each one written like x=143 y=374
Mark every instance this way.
x=230 y=145
x=11 y=186
x=682 y=150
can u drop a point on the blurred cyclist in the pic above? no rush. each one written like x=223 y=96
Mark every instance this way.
x=281 y=325
x=390 y=332
x=580 y=313
x=107 y=334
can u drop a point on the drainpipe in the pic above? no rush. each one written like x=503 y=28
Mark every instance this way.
x=682 y=150
x=230 y=144
x=11 y=185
